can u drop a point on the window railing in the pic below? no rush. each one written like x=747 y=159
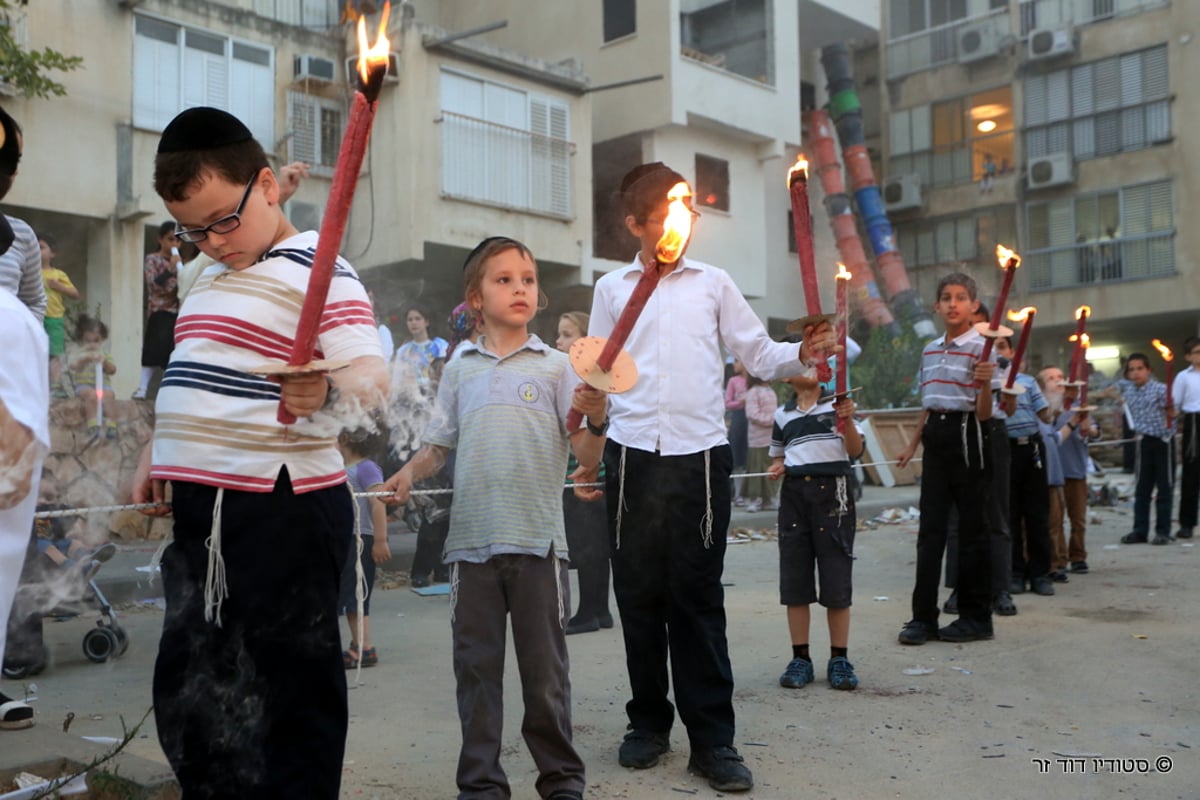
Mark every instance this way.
x=1103 y=133
x=508 y=167
x=1057 y=13
x=317 y=14
x=1150 y=255
x=936 y=46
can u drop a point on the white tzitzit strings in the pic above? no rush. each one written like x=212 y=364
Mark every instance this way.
x=215 y=587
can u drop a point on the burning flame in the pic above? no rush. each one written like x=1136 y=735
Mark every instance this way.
x=1085 y=341
x=1007 y=257
x=1022 y=315
x=801 y=167
x=1081 y=311
x=677 y=227
x=1163 y=349
x=377 y=53
x=843 y=274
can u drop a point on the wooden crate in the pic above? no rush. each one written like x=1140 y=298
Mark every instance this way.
x=886 y=433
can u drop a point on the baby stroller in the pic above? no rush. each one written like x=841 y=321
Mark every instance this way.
x=48 y=589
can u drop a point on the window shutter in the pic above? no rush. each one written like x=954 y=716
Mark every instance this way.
x=1058 y=138
x=1158 y=121
x=1082 y=101
x=1108 y=134
x=1036 y=112
x=1061 y=222
x=922 y=135
x=156 y=56
x=1131 y=79
x=1106 y=84
x=1035 y=143
x=1084 y=138
x=252 y=91
x=1135 y=210
x=549 y=165
x=302 y=125
x=1161 y=207
x=1133 y=128
x=1058 y=95
x=1155 y=82
x=901 y=131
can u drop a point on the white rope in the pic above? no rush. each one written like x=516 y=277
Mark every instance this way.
x=707 y=521
x=453 y=589
x=215 y=587
x=558 y=588
x=360 y=587
x=620 y=495
x=843 y=498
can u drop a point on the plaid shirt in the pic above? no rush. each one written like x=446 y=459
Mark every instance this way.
x=1147 y=406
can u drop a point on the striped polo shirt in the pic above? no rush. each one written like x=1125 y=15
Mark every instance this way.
x=215 y=421
x=946 y=370
x=506 y=418
x=808 y=440
x=1024 y=420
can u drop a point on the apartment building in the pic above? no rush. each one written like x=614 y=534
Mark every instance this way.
x=1061 y=126
x=469 y=140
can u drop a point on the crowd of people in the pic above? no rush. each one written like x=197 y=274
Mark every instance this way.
x=269 y=547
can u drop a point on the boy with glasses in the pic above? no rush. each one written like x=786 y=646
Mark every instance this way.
x=249 y=685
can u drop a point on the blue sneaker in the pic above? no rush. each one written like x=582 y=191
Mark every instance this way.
x=841 y=674
x=798 y=673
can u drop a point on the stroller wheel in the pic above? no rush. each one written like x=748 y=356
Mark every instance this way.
x=122 y=641
x=15 y=673
x=99 y=644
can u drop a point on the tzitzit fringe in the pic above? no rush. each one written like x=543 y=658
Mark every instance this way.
x=215 y=587
x=707 y=521
x=558 y=588
x=843 y=498
x=453 y=589
x=620 y=495
x=360 y=586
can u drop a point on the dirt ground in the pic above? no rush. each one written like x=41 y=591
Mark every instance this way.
x=1090 y=693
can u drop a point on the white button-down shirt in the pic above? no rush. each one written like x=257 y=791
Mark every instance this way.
x=677 y=405
x=1186 y=391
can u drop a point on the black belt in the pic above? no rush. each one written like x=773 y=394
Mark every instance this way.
x=939 y=413
x=1025 y=440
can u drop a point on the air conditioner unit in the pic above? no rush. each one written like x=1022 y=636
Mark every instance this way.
x=1055 y=169
x=393 y=71
x=314 y=68
x=1051 y=43
x=977 y=42
x=902 y=192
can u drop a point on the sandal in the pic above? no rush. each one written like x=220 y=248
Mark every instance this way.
x=350 y=657
x=369 y=657
x=15 y=715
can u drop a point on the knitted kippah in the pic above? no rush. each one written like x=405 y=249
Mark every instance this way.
x=10 y=148
x=202 y=128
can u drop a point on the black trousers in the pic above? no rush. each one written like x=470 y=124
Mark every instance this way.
x=257 y=706
x=1189 y=480
x=1154 y=468
x=955 y=472
x=667 y=582
x=1029 y=504
x=995 y=516
x=587 y=543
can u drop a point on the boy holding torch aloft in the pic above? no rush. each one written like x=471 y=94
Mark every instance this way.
x=667 y=473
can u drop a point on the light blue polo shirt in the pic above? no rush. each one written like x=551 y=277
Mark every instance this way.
x=506 y=417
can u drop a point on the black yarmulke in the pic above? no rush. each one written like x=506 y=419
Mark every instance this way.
x=202 y=128
x=10 y=148
x=657 y=178
x=6 y=235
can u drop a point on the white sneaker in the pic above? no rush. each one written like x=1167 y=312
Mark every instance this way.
x=139 y=394
x=754 y=506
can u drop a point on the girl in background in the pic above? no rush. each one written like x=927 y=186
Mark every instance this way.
x=760 y=405
x=363 y=475
x=91 y=335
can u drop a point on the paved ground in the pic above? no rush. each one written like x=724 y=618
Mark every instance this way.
x=1104 y=670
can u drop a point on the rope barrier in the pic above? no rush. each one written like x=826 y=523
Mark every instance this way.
x=73 y=512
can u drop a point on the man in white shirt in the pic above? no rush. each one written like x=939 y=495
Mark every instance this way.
x=668 y=467
x=1185 y=393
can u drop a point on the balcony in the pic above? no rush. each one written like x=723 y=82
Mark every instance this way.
x=1106 y=261
x=497 y=165
x=936 y=46
x=1057 y=13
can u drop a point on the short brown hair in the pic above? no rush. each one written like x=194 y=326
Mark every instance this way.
x=485 y=251
x=177 y=172
x=644 y=188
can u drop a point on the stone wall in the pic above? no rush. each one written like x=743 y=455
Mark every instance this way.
x=93 y=470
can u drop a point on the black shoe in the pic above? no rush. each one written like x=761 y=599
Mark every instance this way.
x=1133 y=538
x=578 y=625
x=418 y=581
x=1003 y=605
x=1016 y=586
x=1079 y=567
x=966 y=630
x=1059 y=576
x=642 y=749
x=441 y=577
x=951 y=604
x=1183 y=533
x=725 y=769
x=605 y=620
x=916 y=632
x=1161 y=540
x=1043 y=585
x=565 y=794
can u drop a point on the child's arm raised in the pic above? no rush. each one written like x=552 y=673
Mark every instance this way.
x=425 y=464
x=586 y=442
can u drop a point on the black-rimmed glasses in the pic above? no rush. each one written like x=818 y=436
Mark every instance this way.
x=222 y=226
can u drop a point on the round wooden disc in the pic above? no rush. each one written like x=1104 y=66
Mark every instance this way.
x=1082 y=409
x=986 y=329
x=798 y=325
x=1073 y=384
x=282 y=368
x=584 y=354
x=1015 y=390
x=825 y=398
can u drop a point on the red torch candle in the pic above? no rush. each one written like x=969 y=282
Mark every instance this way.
x=1168 y=357
x=372 y=67
x=1025 y=315
x=1009 y=262
x=1081 y=316
x=841 y=282
x=1083 y=390
x=598 y=370
x=802 y=227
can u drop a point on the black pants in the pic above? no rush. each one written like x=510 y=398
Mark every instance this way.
x=587 y=543
x=1189 y=481
x=955 y=472
x=1154 y=468
x=995 y=516
x=1029 y=501
x=667 y=581
x=25 y=649
x=257 y=706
